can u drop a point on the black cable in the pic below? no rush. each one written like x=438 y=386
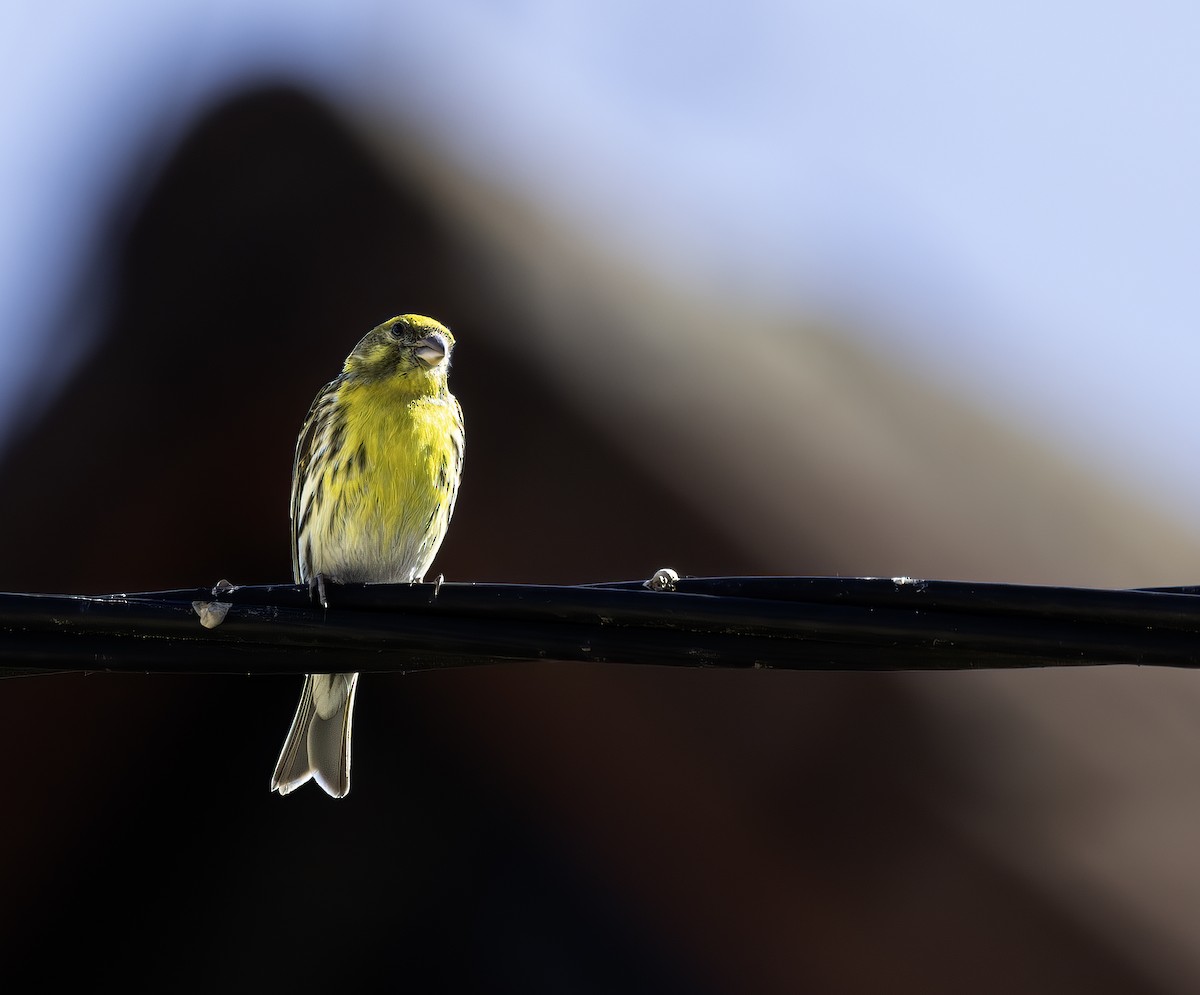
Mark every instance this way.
x=799 y=623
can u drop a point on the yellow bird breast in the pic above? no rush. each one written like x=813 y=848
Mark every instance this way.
x=389 y=491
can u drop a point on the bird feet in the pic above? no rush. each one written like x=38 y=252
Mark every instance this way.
x=316 y=590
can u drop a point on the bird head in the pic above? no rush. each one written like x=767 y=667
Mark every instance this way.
x=409 y=347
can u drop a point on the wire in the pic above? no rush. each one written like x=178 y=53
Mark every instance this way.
x=795 y=623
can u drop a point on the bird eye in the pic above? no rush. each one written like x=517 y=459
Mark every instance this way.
x=396 y=330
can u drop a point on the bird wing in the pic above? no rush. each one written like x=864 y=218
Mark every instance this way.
x=306 y=447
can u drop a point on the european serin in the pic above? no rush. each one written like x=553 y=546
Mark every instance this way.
x=377 y=469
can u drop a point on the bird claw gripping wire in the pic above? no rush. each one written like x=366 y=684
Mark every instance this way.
x=665 y=579
x=316 y=590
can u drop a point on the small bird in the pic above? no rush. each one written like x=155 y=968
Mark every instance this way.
x=376 y=476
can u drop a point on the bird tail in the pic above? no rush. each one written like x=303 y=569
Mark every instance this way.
x=318 y=743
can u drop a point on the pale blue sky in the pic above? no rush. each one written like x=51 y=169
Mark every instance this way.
x=1003 y=194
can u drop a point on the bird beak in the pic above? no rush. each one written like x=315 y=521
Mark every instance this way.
x=431 y=350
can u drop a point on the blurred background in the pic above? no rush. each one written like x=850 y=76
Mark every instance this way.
x=747 y=288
